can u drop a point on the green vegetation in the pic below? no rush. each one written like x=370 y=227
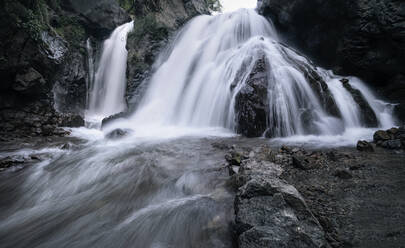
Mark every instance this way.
x=148 y=26
x=31 y=16
x=71 y=30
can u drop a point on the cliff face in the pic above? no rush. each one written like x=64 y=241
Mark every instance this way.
x=154 y=23
x=363 y=38
x=43 y=57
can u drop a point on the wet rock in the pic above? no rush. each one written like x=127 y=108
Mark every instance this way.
x=251 y=103
x=300 y=162
x=29 y=80
x=118 y=133
x=365 y=146
x=381 y=136
x=113 y=118
x=270 y=212
x=367 y=40
x=367 y=114
x=343 y=174
x=392 y=144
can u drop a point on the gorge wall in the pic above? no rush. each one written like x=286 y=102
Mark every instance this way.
x=43 y=57
x=362 y=38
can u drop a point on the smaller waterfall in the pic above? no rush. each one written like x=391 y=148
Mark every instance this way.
x=107 y=87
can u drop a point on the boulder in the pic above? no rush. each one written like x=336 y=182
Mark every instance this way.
x=381 y=136
x=118 y=133
x=367 y=113
x=365 y=146
x=251 y=103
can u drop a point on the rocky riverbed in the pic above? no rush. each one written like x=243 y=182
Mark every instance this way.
x=284 y=196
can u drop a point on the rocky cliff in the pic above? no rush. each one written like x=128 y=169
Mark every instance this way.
x=43 y=57
x=363 y=38
x=43 y=60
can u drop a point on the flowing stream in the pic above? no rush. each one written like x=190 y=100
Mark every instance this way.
x=163 y=185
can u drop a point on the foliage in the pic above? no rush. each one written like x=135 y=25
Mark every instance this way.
x=70 y=29
x=32 y=17
x=148 y=26
x=214 y=5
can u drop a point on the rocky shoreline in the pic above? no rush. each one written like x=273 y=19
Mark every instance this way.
x=295 y=197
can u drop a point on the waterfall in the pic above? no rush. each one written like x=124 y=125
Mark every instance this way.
x=107 y=86
x=199 y=79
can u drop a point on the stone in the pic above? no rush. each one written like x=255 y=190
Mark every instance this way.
x=364 y=146
x=392 y=144
x=118 y=133
x=251 y=103
x=343 y=174
x=381 y=136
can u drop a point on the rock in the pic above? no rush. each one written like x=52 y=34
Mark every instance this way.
x=111 y=118
x=364 y=146
x=367 y=40
x=270 y=212
x=118 y=133
x=30 y=80
x=367 y=113
x=392 y=144
x=381 y=136
x=101 y=16
x=251 y=103
x=300 y=163
x=343 y=174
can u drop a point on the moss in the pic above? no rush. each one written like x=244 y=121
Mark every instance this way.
x=148 y=26
x=71 y=30
x=32 y=18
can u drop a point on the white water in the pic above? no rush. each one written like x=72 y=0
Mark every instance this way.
x=107 y=89
x=202 y=71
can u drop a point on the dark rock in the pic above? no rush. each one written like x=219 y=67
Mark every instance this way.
x=112 y=118
x=367 y=114
x=343 y=174
x=367 y=41
x=381 y=136
x=392 y=144
x=30 y=80
x=365 y=146
x=251 y=104
x=101 y=16
x=270 y=212
x=300 y=163
x=118 y=133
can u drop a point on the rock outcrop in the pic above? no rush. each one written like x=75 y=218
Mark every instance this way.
x=43 y=61
x=251 y=102
x=367 y=38
x=269 y=211
x=154 y=23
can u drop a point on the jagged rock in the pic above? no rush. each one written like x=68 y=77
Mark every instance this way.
x=367 y=114
x=343 y=174
x=365 y=146
x=381 y=136
x=118 y=133
x=270 y=212
x=251 y=104
x=29 y=80
x=101 y=16
x=392 y=144
x=367 y=40
x=111 y=118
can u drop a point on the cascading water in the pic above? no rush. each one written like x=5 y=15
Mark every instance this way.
x=107 y=88
x=199 y=77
